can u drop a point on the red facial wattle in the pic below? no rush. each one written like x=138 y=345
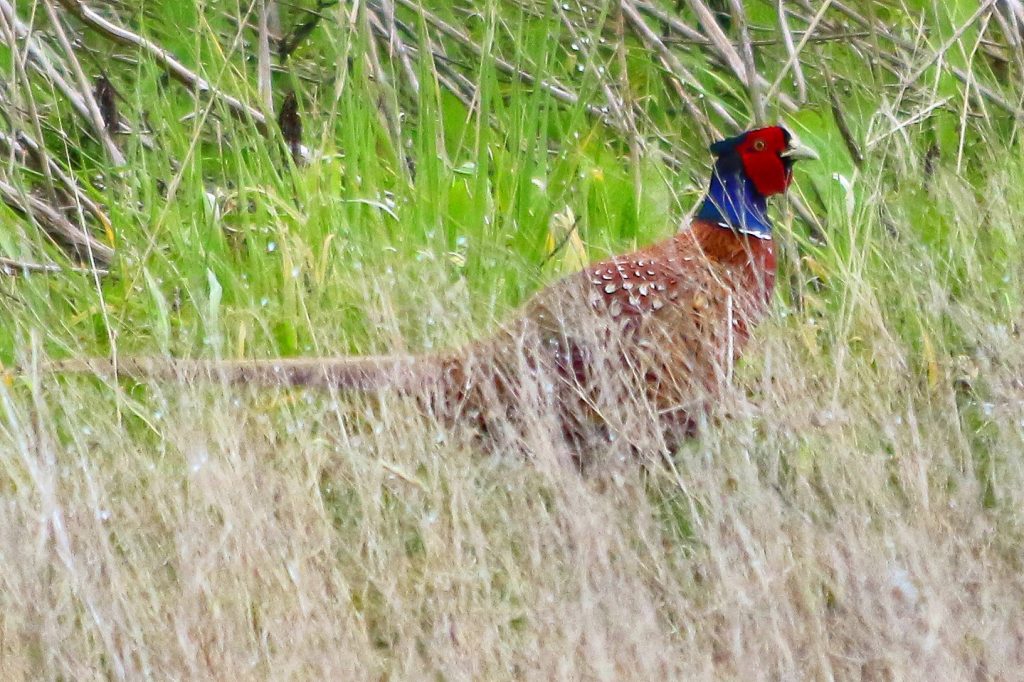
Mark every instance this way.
x=761 y=161
x=768 y=172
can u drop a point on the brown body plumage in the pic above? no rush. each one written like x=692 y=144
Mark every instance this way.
x=654 y=330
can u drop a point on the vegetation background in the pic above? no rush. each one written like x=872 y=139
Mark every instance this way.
x=252 y=179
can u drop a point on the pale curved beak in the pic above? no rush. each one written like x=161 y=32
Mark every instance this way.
x=798 y=152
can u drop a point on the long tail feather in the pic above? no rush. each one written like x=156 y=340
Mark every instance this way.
x=363 y=373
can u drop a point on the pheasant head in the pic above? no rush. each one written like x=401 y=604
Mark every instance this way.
x=749 y=168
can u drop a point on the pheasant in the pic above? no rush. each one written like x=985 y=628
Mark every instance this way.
x=660 y=326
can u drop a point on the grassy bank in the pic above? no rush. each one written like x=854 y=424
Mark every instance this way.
x=852 y=509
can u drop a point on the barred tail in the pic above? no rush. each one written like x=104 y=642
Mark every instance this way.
x=362 y=373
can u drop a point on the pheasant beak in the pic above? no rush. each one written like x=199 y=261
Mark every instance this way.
x=797 y=151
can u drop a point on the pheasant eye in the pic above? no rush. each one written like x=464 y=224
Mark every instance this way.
x=759 y=145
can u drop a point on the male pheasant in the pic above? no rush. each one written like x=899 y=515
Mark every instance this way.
x=659 y=328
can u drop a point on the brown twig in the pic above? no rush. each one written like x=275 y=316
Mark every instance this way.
x=627 y=110
x=674 y=24
x=752 y=78
x=9 y=266
x=164 y=59
x=840 y=118
x=396 y=46
x=907 y=46
x=716 y=40
x=289 y=43
x=1016 y=9
x=55 y=223
x=832 y=36
x=455 y=82
x=787 y=40
x=95 y=117
x=946 y=46
x=387 y=95
x=15 y=29
x=23 y=145
x=909 y=121
x=556 y=90
x=617 y=108
x=264 y=77
x=34 y=116
x=794 y=56
x=678 y=74
x=1013 y=33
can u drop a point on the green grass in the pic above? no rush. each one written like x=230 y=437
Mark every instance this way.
x=851 y=511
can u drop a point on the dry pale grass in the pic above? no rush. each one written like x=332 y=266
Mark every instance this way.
x=834 y=521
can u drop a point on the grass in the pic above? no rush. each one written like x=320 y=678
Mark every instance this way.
x=851 y=511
